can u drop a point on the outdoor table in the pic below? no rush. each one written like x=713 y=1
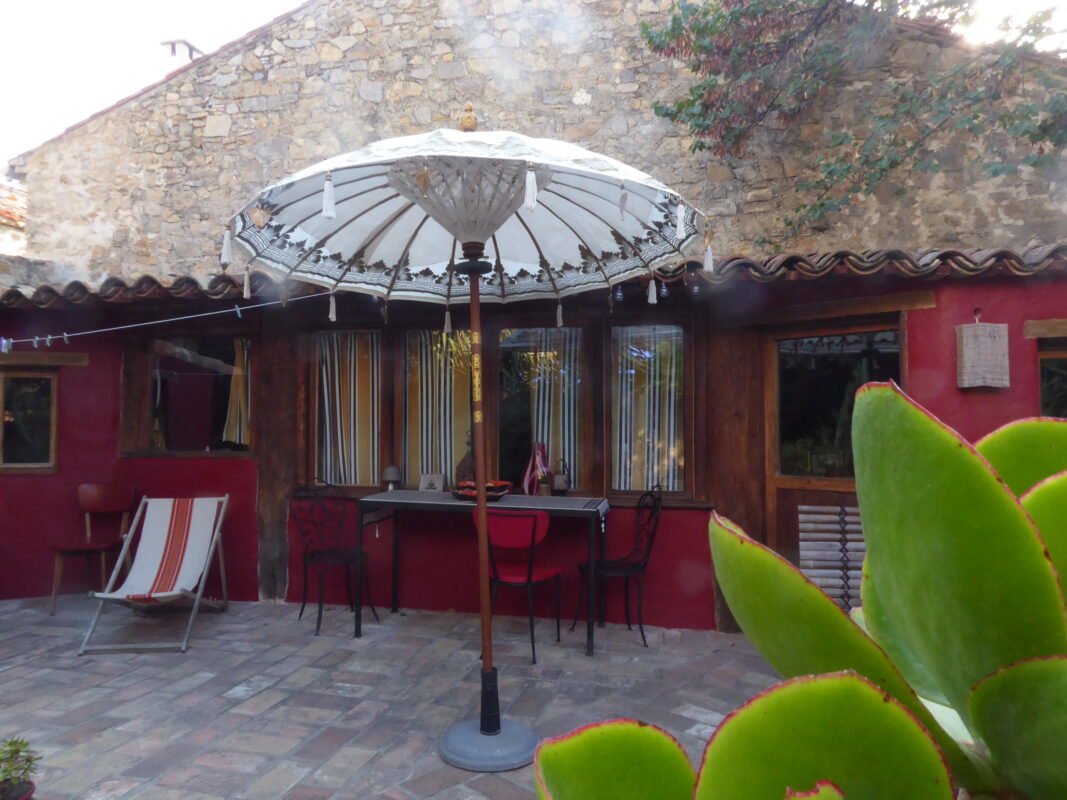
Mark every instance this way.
x=592 y=509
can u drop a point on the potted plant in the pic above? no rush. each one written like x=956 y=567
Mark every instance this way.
x=17 y=764
x=544 y=484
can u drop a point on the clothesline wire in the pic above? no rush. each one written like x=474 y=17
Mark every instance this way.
x=236 y=309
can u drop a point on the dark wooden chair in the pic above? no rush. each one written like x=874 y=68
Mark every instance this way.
x=98 y=501
x=633 y=565
x=326 y=527
x=513 y=539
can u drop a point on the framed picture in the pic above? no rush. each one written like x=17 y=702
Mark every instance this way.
x=432 y=482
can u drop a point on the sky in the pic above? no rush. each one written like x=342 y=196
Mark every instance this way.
x=62 y=61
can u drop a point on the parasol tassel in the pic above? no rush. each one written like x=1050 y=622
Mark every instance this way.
x=329 y=207
x=652 y=299
x=332 y=315
x=530 y=203
x=227 y=249
x=559 y=314
x=448 y=321
x=623 y=196
x=679 y=221
x=247 y=291
x=709 y=259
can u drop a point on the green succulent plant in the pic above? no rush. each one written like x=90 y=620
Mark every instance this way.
x=18 y=763
x=951 y=681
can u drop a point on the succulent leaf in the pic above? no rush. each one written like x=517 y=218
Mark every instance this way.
x=801 y=631
x=613 y=760
x=1026 y=451
x=880 y=628
x=824 y=790
x=957 y=563
x=839 y=728
x=1046 y=503
x=1021 y=713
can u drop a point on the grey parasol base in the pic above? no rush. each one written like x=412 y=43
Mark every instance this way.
x=466 y=747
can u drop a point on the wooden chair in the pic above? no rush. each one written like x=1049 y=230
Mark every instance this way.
x=513 y=537
x=97 y=501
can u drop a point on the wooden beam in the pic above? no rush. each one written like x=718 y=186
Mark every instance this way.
x=1045 y=329
x=39 y=359
x=831 y=309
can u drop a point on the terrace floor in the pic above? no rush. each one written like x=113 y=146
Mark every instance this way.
x=260 y=708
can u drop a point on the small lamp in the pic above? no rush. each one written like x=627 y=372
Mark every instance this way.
x=391 y=476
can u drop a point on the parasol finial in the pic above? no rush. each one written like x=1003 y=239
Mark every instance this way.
x=467 y=121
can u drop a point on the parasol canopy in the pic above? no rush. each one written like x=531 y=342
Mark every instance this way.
x=390 y=219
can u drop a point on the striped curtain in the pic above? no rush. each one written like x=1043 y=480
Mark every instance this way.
x=554 y=400
x=349 y=371
x=647 y=385
x=437 y=403
x=239 y=408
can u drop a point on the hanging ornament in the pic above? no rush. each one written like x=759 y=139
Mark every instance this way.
x=227 y=249
x=530 y=202
x=622 y=200
x=5 y=345
x=329 y=207
x=663 y=290
x=247 y=291
x=709 y=259
x=652 y=292
x=679 y=221
x=618 y=293
x=332 y=315
x=559 y=314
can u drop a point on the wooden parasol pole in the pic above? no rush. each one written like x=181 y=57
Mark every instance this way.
x=474 y=269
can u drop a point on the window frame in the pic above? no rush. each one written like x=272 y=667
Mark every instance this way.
x=52 y=375
x=1059 y=353
x=689 y=403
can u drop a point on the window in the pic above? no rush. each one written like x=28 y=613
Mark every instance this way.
x=437 y=406
x=28 y=404
x=817 y=379
x=647 y=421
x=200 y=393
x=1053 y=360
x=349 y=399
x=540 y=399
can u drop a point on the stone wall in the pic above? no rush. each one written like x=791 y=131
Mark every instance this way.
x=148 y=185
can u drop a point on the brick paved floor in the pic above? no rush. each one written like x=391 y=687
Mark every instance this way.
x=260 y=708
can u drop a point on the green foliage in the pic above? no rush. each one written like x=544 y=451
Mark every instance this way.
x=961 y=600
x=18 y=763
x=759 y=61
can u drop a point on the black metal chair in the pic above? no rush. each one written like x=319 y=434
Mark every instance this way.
x=324 y=523
x=633 y=565
x=513 y=537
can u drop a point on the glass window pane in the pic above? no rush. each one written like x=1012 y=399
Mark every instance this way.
x=348 y=412
x=817 y=379
x=201 y=396
x=27 y=420
x=437 y=406
x=647 y=425
x=540 y=399
x=1054 y=387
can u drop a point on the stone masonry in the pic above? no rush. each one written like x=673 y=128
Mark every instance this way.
x=147 y=185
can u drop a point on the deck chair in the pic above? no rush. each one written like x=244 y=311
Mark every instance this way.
x=178 y=537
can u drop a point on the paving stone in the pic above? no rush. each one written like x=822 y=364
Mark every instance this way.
x=259 y=708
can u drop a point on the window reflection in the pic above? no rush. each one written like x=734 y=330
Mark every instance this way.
x=28 y=414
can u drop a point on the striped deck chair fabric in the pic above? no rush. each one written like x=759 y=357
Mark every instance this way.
x=173 y=551
x=178 y=537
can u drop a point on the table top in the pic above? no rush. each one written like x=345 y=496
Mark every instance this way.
x=558 y=506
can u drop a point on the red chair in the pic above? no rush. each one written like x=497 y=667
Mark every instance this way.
x=97 y=500
x=513 y=537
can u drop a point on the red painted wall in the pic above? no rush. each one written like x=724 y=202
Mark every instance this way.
x=37 y=509
x=439 y=568
x=931 y=350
